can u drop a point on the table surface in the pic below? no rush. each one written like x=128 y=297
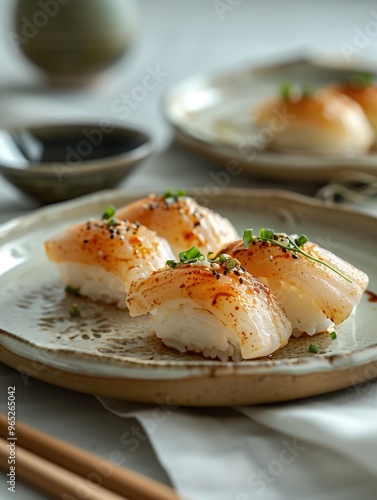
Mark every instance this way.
x=182 y=38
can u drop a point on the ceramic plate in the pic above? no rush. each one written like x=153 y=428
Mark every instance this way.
x=212 y=114
x=108 y=353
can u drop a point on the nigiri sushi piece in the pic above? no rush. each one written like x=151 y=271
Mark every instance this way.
x=364 y=92
x=102 y=257
x=212 y=307
x=322 y=121
x=317 y=289
x=181 y=221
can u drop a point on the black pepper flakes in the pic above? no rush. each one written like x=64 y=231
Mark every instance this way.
x=294 y=256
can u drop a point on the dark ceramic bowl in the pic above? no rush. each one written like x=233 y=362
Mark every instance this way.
x=59 y=162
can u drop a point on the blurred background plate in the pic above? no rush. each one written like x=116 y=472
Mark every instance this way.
x=212 y=114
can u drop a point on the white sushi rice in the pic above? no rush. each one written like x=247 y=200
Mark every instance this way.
x=302 y=311
x=94 y=282
x=184 y=327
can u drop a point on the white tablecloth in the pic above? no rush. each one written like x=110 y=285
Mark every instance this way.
x=322 y=448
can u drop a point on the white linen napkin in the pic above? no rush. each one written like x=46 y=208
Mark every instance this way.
x=345 y=422
x=318 y=448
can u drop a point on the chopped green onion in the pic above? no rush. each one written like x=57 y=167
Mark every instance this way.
x=333 y=335
x=182 y=256
x=109 y=212
x=301 y=240
x=194 y=255
x=169 y=193
x=292 y=243
x=230 y=264
x=313 y=348
x=172 y=196
x=266 y=233
x=247 y=237
x=285 y=90
x=169 y=200
x=171 y=263
x=363 y=79
x=113 y=222
x=74 y=311
x=72 y=290
x=191 y=254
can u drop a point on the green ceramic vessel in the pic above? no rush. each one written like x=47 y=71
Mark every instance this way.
x=75 y=38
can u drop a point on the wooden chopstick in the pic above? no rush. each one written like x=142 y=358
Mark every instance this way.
x=51 y=478
x=91 y=468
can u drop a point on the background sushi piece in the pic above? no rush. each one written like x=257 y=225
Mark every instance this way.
x=181 y=221
x=322 y=121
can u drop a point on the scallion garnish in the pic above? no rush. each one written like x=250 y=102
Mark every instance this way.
x=169 y=193
x=72 y=290
x=266 y=233
x=194 y=255
x=109 y=212
x=292 y=243
x=333 y=335
x=172 y=196
x=285 y=90
x=112 y=222
x=74 y=311
x=189 y=255
x=288 y=91
x=171 y=263
x=247 y=237
x=313 y=348
x=230 y=264
x=301 y=240
x=363 y=79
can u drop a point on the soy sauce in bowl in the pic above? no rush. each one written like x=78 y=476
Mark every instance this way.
x=59 y=162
